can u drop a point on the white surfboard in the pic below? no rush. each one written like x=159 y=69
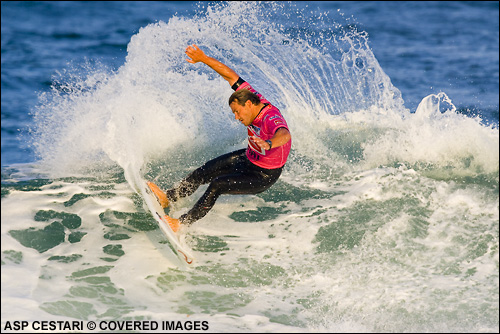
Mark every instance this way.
x=158 y=213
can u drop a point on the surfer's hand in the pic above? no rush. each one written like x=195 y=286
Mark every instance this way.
x=262 y=143
x=195 y=53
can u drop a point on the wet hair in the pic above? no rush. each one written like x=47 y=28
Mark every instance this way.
x=242 y=96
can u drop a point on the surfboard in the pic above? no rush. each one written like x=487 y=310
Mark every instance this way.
x=158 y=213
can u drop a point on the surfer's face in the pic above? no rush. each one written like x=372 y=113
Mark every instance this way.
x=244 y=114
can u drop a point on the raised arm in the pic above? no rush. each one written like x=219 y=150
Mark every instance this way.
x=197 y=55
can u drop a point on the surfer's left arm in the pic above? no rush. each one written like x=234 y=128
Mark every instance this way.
x=280 y=138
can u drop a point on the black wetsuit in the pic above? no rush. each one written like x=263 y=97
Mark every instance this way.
x=231 y=173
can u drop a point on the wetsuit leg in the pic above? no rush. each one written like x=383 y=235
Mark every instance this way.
x=224 y=164
x=231 y=173
x=249 y=183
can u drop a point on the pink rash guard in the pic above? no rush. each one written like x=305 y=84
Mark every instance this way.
x=264 y=126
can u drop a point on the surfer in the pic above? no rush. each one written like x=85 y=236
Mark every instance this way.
x=246 y=171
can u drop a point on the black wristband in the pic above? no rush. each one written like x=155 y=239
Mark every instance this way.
x=238 y=83
x=270 y=144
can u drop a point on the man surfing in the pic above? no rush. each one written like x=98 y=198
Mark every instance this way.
x=246 y=171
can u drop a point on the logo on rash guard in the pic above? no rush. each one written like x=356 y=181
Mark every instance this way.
x=254 y=131
x=277 y=120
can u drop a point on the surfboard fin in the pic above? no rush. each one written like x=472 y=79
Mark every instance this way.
x=160 y=195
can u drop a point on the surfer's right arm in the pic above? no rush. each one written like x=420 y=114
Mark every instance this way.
x=197 y=55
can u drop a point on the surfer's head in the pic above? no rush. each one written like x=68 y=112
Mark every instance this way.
x=245 y=106
x=242 y=96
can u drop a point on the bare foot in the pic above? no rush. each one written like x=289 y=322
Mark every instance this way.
x=160 y=195
x=174 y=223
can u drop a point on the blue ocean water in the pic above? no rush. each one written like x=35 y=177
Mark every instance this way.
x=385 y=218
